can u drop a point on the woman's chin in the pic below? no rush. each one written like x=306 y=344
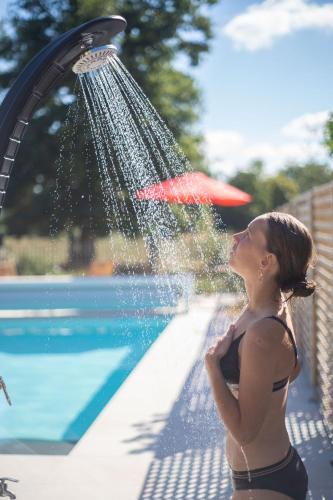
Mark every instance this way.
x=230 y=260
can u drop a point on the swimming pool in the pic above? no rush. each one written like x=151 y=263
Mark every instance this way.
x=61 y=371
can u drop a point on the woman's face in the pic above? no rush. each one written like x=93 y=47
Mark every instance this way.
x=249 y=248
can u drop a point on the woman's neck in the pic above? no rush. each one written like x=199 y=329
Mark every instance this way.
x=264 y=300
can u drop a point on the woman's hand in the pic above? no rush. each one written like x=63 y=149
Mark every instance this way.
x=219 y=349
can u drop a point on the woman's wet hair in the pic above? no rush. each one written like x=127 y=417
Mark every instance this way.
x=290 y=240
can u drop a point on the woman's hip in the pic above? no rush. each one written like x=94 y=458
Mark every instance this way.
x=288 y=476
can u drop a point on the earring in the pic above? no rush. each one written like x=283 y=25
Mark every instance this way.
x=261 y=275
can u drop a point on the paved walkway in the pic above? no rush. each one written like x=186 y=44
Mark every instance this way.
x=189 y=458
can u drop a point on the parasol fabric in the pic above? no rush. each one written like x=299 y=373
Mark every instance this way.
x=195 y=187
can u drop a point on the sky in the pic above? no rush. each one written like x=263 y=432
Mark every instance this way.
x=266 y=84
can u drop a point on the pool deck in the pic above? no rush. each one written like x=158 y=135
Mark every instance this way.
x=160 y=438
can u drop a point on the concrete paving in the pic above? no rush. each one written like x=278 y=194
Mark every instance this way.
x=159 y=437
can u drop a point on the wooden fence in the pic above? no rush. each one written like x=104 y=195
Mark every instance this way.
x=313 y=316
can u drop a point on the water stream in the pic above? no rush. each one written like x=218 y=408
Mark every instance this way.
x=134 y=149
x=132 y=140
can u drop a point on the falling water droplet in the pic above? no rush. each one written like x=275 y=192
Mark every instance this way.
x=247 y=464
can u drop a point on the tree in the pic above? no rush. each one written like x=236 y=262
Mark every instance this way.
x=156 y=32
x=308 y=175
x=328 y=134
x=279 y=189
x=267 y=192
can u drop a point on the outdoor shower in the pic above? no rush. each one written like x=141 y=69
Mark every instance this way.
x=94 y=58
x=82 y=49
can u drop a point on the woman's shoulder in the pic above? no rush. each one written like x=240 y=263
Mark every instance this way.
x=271 y=322
x=266 y=332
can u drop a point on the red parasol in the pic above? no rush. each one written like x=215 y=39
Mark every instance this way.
x=194 y=187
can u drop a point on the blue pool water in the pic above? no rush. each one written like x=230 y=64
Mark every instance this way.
x=103 y=294
x=60 y=372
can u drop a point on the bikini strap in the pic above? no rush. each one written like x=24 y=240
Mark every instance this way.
x=289 y=333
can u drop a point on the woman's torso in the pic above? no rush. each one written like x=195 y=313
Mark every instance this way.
x=272 y=442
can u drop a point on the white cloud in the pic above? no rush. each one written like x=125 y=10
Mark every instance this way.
x=223 y=148
x=262 y=23
x=299 y=141
x=307 y=127
x=223 y=144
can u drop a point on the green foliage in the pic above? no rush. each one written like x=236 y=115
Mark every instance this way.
x=267 y=192
x=308 y=175
x=270 y=191
x=156 y=32
x=178 y=100
x=28 y=265
x=220 y=283
x=328 y=134
x=278 y=189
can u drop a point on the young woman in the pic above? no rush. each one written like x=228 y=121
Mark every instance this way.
x=250 y=367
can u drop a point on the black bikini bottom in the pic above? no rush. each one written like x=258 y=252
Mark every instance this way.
x=288 y=476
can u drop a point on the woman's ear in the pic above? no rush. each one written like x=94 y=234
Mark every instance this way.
x=264 y=262
x=269 y=261
x=274 y=262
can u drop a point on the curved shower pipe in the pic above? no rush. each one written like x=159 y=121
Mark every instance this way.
x=37 y=79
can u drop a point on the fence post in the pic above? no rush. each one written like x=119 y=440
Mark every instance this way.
x=312 y=276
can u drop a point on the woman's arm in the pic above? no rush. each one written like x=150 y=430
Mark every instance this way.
x=244 y=417
x=295 y=371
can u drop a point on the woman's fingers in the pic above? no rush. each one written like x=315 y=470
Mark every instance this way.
x=220 y=341
x=230 y=331
x=221 y=344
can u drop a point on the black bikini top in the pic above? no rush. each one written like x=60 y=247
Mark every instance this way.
x=230 y=366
